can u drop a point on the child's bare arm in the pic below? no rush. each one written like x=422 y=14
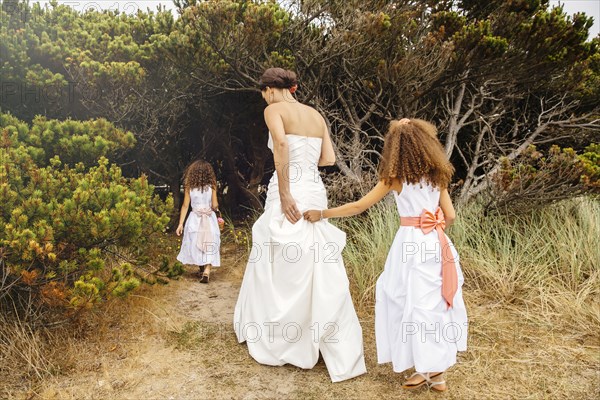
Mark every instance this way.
x=184 y=210
x=447 y=207
x=214 y=201
x=357 y=207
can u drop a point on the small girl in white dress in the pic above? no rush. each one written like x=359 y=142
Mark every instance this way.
x=420 y=316
x=201 y=237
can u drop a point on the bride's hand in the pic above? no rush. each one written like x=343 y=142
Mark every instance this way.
x=288 y=206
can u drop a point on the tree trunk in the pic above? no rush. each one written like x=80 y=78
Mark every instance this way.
x=237 y=191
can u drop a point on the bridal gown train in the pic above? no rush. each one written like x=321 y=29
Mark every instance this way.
x=295 y=300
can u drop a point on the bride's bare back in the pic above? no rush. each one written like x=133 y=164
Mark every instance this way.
x=285 y=118
x=300 y=119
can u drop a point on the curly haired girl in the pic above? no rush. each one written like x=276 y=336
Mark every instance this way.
x=201 y=236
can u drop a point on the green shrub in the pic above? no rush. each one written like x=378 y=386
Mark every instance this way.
x=61 y=221
x=74 y=141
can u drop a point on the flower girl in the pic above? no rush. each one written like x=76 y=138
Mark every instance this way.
x=420 y=316
x=201 y=236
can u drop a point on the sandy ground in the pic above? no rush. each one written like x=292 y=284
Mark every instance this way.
x=177 y=342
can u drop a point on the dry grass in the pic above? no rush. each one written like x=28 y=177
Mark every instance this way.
x=83 y=348
x=544 y=267
x=30 y=357
x=369 y=239
x=24 y=352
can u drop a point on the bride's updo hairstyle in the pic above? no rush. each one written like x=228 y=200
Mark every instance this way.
x=278 y=78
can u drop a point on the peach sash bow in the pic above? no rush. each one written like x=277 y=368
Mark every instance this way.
x=204 y=237
x=428 y=221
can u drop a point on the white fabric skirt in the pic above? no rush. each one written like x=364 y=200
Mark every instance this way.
x=190 y=253
x=413 y=326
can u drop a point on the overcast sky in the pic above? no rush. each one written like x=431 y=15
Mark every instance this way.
x=590 y=7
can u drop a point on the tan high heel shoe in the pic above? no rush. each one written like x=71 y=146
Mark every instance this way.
x=426 y=381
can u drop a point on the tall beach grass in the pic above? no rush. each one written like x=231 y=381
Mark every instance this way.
x=544 y=265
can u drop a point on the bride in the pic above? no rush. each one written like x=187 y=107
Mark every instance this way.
x=295 y=300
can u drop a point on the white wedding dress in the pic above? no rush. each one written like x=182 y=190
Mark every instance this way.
x=295 y=300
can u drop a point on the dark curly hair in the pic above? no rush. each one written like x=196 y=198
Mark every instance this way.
x=278 y=78
x=412 y=152
x=198 y=175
